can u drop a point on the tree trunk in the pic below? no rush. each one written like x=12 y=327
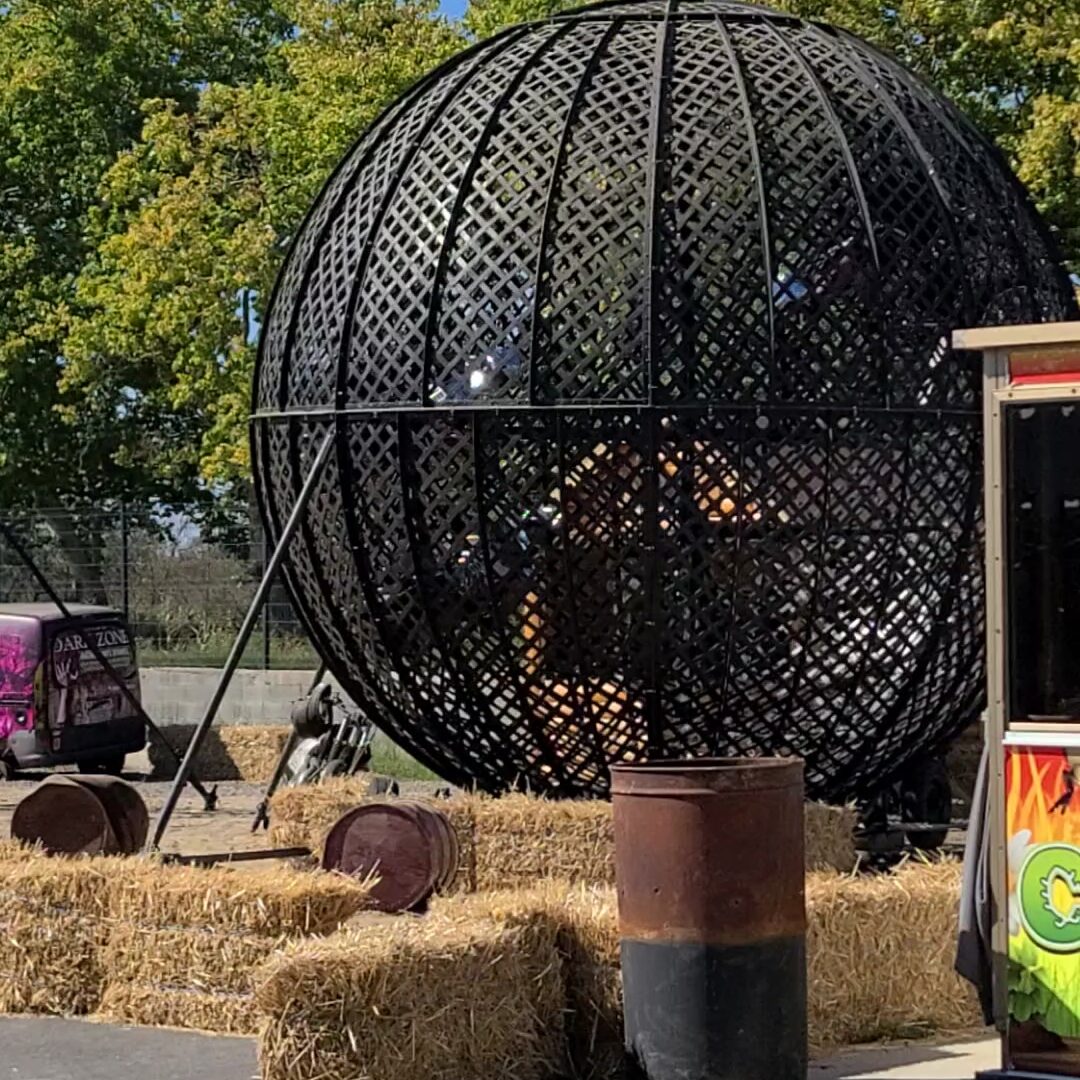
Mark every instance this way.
x=84 y=551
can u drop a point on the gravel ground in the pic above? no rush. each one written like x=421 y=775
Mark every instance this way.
x=192 y=830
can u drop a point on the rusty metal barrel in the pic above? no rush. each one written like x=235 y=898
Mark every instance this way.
x=712 y=921
x=88 y=815
x=409 y=847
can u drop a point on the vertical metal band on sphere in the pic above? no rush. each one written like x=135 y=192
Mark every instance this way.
x=632 y=330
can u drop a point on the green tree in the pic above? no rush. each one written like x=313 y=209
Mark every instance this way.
x=196 y=217
x=73 y=76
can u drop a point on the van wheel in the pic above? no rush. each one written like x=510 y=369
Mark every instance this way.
x=7 y=770
x=110 y=766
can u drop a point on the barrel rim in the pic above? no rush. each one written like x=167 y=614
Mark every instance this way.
x=705 y=775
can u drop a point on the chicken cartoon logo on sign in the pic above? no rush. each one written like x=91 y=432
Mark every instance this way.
x=1049 y=896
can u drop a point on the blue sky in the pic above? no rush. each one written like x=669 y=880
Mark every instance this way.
x=454 y=8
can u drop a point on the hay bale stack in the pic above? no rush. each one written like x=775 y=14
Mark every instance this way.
x=54 y=924
x=187 y=940
x=518 y=839
x=235 y=752
x=881 y=954
x=397 y=997
x=302 y=816
x=443 y=998
x=587 y=922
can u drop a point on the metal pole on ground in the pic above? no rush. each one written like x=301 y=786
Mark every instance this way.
x=209 y=797
x=242 y=639
x=712 y=921
x=266 y=609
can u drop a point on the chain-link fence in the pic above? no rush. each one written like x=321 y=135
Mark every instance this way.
x=184 y=595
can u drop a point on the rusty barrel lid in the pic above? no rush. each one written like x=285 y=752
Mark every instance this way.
x=125 y=808
x=398 y=842
x=65 y=818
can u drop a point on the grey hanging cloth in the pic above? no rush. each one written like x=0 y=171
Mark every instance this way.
x=974 y=956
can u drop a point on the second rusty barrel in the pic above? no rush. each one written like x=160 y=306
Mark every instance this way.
x=710 y=874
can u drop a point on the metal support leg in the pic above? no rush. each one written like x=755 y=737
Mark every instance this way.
x=242 y=638
x=209 y=797
x=262 y=811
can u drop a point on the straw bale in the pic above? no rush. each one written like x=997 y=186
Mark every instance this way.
x=51 y=963
x=231 y=752
x=304 y=815
x=586 y=921
x=51 y=886
x=206 y=961
x=149 y=894
x=880 y=953
x=450 y=998
x=517 y=839
x=53 y=926
x=156 y=1006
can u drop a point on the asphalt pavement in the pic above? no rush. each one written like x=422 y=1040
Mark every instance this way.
x=47 y=1048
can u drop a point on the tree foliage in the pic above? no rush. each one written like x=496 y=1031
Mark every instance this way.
x=73 y=77
x=156 y=159
x=195 y=218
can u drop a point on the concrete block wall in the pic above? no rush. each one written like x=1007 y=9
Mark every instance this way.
x=178 y=695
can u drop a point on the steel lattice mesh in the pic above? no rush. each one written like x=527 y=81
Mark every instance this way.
x=632 y=330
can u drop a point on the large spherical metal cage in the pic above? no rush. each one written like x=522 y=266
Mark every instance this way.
x=632 y=328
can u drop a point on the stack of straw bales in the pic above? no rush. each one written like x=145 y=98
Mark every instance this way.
x=233 y=752
x=449 y=995
x=186 y=940
x=54 y=925
x=519 y=839
x=151 y=943
x=417 y=998
x=881 y=952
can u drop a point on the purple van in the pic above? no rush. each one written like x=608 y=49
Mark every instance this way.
x=58 y=705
